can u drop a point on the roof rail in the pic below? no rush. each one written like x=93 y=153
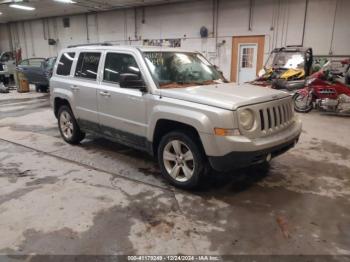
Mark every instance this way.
x=90 y=44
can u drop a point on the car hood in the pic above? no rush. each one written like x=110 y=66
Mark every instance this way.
x=228 y=96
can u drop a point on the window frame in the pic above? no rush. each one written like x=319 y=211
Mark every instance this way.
x=98 y=67
x=58 y=61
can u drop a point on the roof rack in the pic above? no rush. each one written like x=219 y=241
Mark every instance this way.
x=91 y=44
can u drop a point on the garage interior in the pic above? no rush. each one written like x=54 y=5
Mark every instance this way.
x=103 y=198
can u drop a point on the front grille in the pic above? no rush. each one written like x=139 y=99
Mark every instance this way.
x=271 y=117
x=275 y=116
x=327 y=91
x=1 y=67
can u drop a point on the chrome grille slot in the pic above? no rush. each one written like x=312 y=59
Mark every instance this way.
x=262 y=124
x=271 y=117
x=275 y=117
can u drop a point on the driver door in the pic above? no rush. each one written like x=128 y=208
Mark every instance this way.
x=122 y=111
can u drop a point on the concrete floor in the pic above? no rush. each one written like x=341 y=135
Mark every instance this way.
x=103 y=198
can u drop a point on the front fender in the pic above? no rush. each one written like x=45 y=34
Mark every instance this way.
x=198 y=120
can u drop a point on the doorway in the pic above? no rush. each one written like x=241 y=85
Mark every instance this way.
x=247 y=58
x=247 y=62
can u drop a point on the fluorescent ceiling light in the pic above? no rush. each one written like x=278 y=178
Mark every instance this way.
x=23 y=7
x=0 y=13
x=66 y=1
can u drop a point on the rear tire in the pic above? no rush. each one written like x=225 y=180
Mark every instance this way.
x=306 y=108
x=68 y=126
x=181 y=159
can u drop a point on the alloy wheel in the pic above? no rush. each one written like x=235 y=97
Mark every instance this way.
x=66 y=125
x=178 y=161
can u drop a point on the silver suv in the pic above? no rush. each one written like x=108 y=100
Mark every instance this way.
x=172 y=104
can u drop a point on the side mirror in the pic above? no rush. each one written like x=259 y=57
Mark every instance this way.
x=134 y=81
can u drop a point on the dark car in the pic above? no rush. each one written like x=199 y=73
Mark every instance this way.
x=38 y=71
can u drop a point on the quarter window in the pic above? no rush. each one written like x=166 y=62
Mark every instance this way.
x=65 y=64
x=117 y=64
x=87 y=66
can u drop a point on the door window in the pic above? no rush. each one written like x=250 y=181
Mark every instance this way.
x=36 y=62
x=87 y=66
x=247 y=57
x=24 y=63
x=65 y=64
x=117 y=64
x=7 y=57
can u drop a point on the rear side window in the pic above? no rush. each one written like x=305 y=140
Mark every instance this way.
x=36 y=62
x=87 y=66
x=117 y=64
x=65 y=64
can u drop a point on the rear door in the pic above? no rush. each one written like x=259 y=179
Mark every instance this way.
x=84 y=87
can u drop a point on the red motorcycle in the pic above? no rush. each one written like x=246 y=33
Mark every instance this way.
x=325 y=92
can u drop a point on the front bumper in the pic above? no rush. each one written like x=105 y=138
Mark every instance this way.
x=236 y=160
x=227 y=153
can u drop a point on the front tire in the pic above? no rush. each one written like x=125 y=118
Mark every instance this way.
x=181 y=159
x=68 y=126
x=302 y=103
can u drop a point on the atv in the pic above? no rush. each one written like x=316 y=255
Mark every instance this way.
x=286 y=68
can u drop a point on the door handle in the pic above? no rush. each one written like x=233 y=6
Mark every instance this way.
x=105 y=93
x=75 y=88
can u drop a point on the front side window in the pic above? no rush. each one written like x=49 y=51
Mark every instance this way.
x=87 y=66
x=65 y=64
x=117 y=64
x=181 y=69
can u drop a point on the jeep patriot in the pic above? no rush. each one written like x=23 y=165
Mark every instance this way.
x=173 y=104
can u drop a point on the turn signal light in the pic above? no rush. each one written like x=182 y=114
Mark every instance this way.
x=226 y=132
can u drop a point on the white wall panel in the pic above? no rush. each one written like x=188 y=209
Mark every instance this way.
x=319 y=25
x=341 y=42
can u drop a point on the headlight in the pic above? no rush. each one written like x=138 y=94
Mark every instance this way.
x=5 y=67
x=246 y=119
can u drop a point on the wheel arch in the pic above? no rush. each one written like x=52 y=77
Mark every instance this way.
x=165 y=126
x=58 y=102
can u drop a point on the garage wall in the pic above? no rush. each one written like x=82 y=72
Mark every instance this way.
x=4 y=39
x=281 y=21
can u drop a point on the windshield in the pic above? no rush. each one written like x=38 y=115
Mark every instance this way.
x=287 y=60
x=177 y=69
x=50 y=62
